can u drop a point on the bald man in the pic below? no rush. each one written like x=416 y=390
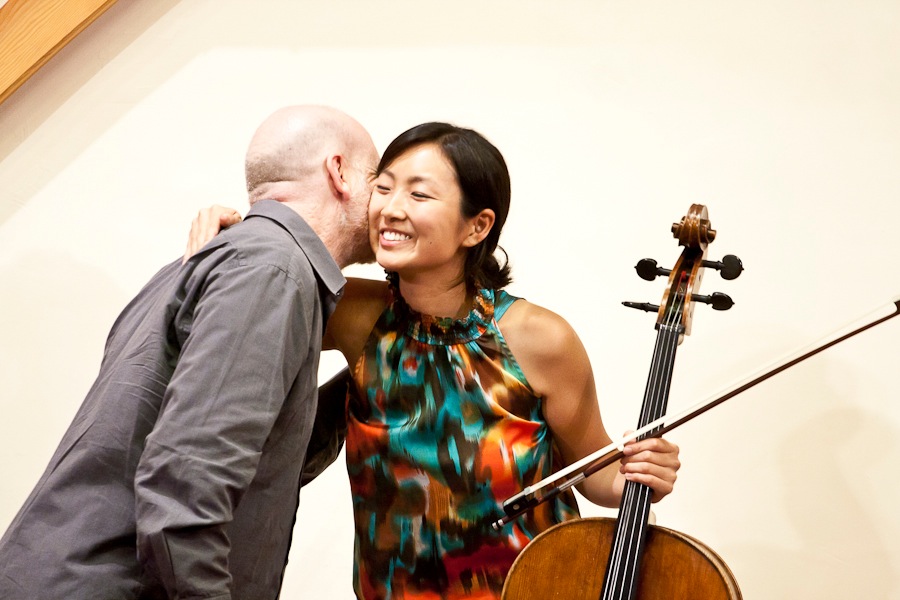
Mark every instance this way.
x=179 y=476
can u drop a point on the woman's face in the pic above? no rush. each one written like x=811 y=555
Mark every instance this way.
x=416 y=225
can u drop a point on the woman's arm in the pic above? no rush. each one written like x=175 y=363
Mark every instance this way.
x=557 y=366
x=349 y=327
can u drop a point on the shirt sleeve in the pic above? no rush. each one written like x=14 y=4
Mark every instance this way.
x=248 y=336
x=329 y=428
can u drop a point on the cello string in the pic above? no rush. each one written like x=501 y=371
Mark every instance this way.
x=624 y=532
x=665 y=377
x=631 y=573
x=653 y=383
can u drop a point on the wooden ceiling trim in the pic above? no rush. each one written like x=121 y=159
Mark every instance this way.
x=33 y=31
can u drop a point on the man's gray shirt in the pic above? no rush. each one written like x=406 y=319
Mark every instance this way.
x=179 y=476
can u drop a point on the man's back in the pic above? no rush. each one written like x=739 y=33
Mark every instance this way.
x=188 y=448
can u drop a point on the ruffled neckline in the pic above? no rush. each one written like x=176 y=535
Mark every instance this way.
x=433 y=330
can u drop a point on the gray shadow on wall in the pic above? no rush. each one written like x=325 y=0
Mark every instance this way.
x=825 y=469
x=817 y=473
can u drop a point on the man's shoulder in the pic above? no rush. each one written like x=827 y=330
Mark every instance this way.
x=272 y=239
x=262 y=244
x=278 y=224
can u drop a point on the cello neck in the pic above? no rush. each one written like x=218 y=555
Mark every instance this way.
x=620 y=580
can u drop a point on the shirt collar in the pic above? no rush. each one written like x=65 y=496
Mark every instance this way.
x=327 y=271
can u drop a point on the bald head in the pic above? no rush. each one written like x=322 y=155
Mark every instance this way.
x=318 y=161
x=289 y=149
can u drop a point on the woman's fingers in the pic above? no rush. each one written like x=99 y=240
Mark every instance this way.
x=205 y=226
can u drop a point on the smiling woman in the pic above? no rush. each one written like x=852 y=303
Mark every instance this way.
x=33 y=31
x=420 y=187
x=461 y=393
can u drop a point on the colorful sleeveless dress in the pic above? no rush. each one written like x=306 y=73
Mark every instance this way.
x=443 y=429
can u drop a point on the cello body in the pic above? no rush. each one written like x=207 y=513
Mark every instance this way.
x=567 y=562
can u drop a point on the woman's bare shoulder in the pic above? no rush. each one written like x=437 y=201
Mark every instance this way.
x=361 y=304
x=536 y=330
x=366 y=290
x=544 y=344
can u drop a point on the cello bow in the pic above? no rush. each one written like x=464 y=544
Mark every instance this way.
x=590 y=464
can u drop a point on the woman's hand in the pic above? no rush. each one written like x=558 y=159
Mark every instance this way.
x=207 y=223
x=653 y=462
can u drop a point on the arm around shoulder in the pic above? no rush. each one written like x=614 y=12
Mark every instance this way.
x=349 y=327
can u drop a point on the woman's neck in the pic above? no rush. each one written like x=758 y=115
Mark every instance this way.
x=435 y=299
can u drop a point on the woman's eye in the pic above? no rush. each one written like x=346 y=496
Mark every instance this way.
x=382 y=188
x=420 y=196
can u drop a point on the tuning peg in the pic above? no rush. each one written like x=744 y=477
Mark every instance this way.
x=647 y=269
x=642 y=306
x=729 y=267
x=717 y=300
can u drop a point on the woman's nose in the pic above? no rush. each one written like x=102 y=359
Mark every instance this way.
x=394 y=207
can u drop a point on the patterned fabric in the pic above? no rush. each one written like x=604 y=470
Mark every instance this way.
x=445 y=430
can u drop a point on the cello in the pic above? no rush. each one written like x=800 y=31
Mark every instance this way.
x=642 y=561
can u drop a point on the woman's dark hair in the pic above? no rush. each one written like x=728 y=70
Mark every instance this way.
x=484 y=181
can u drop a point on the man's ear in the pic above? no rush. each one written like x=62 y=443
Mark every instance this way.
x=479 y=227
x=335 y=165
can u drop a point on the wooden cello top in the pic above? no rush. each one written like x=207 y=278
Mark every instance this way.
x=566 y=562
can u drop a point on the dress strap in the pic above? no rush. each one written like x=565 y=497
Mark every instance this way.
x=502 y=301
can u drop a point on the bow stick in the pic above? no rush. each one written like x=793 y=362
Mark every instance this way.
x=536 y=494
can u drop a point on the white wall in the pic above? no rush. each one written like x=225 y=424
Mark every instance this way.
x=780 y=116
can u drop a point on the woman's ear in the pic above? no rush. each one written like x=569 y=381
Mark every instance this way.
x=479 y=227
x=335 y=165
